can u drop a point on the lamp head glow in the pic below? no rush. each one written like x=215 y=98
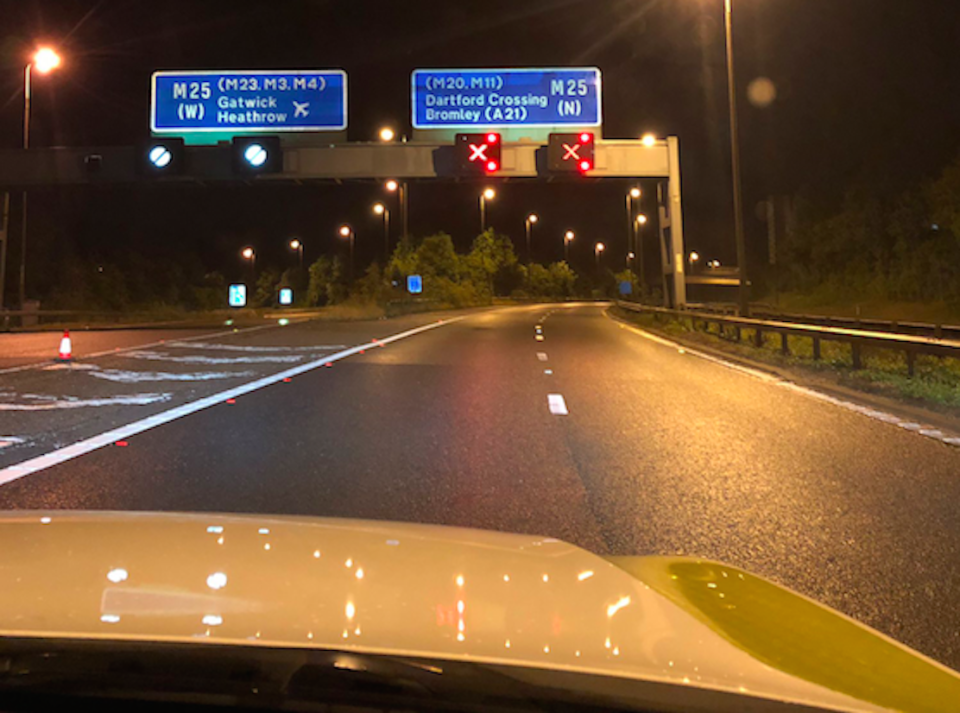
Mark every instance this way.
x=391 y=185
x=569 y=236
x=345 y=231
x=642 y=219
x=489 y=194
x=295 y=244
x=694 y=256
x=533 y=218
x=387 y=134
x=379 y=209
x=634 y=192
x=648 y=140
x=247 y=253
x=601 y=247
x=46 y=60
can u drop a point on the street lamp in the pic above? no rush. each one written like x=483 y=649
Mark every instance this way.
x=567 y=239
x=488 y=195
x=744 y=292
x=693 y=259
x=632 y=195
x=598 y=251
x=250 y=256
x=638 y=224
x=648 y=140
x=528 y=224
x=298 y=247
x=346 y=232
x=44 y=60
x=394 y=186
x=387 y=134
x=381 y=209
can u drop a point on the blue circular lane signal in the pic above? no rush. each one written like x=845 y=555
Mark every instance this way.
x=160 y=156
x=256 y=155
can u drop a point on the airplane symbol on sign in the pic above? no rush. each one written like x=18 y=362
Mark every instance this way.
x=478 y=153
x=570 y=152
x=301 y=109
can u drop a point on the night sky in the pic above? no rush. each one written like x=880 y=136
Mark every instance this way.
x=867 y=90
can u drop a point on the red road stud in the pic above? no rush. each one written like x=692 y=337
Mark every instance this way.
x=328 y=364
x=231 y=401
x=287 y=380
x=363 y=351
x=121 y=444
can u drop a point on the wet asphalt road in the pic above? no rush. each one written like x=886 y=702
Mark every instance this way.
x=661 y=452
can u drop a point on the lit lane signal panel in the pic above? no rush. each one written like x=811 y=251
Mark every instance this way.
x=572 y=153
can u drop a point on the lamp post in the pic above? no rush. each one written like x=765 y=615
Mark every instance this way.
x=528 y=223
x=632 y=195
x=45 y=60
x=744 y=292
x=250 y=255
x=381 y=209
x=641 y=220
x=567 y=239
x=488 y=195
x=346 y=232
x=394 y=186
x=693 y=259
x=597 y=252
x=297 y=246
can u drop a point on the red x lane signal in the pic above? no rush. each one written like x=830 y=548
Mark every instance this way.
x=479 y=153
x=571 y=152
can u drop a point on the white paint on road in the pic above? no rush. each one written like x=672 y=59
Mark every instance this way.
x=200 y=359
x=136 y=377
x=548 y=372
x=37 y=402
x=542 y=356
x=243 y=348
x=48 y=460
x=7 y=441
x=558 y=407
x=71 y=366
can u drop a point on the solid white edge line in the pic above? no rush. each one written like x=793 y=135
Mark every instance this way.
x=62 y=455
x=871 y=413
x=558 y=407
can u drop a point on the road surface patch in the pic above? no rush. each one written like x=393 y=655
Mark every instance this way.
x=872 y=413
x=62 y=455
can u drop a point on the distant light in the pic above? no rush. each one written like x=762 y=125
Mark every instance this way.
x=630 y=256
x=601 y=247
x=359 y=572
x=213 y=620
x=283 y=321
x=459 y=580
x=46 y=60
x=217 y=580
x=117 y=575
x=247 y=254
x=160 y=156
x=642 y=219
x=391 y=185
x=345 y=231
x=387 y=134
x=316 y=554
x=379 y=208
x=586 y=574
x=45 y=521
x=215 y=528
x=350 y=610
x=506 y=578
x=694 y=256
x=110 y=618
x=634 y=192
x=648 y=140
x=569 y=236
x=546 y=578
x=264 y=531
x=533 y=218
x=255 y=155
x=489 y=194
x=295 y=244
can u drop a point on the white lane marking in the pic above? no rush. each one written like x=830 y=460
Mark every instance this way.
x=123 y=350
x=53 y=403
x=875 y=414
x=548 y=372
x=6 y=441
x=542 y=356
x=71 y=366
x=558 y=407
x=81 y=448
x=200 y=359
x=241 y=348
x=135 y=377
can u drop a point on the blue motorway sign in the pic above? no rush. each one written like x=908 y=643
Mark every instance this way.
x=286 y=296
x=498 y=98
x=237 y=295
x=414 y=284
x=278 y=101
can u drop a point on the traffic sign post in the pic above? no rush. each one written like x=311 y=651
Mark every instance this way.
x=237 y=102
x=504 y=98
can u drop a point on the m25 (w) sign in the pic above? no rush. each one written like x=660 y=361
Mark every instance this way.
x=497 y=98
x=308 y=100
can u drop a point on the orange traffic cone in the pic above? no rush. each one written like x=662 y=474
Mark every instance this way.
x=66 y=347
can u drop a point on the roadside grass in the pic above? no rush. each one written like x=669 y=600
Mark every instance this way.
x=936 y=384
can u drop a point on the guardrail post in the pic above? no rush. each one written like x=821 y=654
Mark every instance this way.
x=816 y=348
x=855 y=355
x=938 y=331
x=758 y=338
x=784 y=344
x=911 y=362
x=737 y=332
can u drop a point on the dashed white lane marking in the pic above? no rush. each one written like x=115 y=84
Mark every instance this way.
x=52 y=403
x=81 y=448
x=872 y=413
x=6 y=441
x=136 y=377
x=542 y=356
x=548 y=372
x=558 y=407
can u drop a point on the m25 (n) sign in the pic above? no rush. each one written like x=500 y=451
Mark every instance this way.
x=281 y=101
x=498 y=98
